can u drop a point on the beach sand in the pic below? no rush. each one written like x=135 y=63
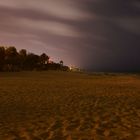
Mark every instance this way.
x=69 y=106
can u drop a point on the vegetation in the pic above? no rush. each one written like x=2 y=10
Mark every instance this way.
x=11 y=60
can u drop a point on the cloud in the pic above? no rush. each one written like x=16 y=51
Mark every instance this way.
x=136 y=4
x=49 y=26
x=130 y=24
x=58 y=8
x=96 y=34
x=115 y=8
x=11 y=3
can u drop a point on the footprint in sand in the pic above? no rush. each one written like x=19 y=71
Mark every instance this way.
x=56 y=125
x=57 y=135
x=73 y=124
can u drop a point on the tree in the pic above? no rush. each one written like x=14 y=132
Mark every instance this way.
x=2 y=57
x=22 y=57
x=11 y=58
x=32 y=61
x=11 y=52
x=23 y=53
x=61 y=63
x=44 y=58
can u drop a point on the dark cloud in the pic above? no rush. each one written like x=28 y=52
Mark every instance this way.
x=94 y=34
x=111 y=8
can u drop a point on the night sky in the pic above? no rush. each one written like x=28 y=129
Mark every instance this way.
x=100 y=35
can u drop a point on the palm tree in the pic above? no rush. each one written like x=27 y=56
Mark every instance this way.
x=11 y=58
x=44 y=58
x=61 y=63
x=2 y=57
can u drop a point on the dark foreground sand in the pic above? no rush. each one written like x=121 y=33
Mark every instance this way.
x=69 y=106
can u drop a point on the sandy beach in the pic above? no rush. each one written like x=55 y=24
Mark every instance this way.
x=69 y=106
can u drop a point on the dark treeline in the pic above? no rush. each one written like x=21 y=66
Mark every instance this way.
x=12 y=60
